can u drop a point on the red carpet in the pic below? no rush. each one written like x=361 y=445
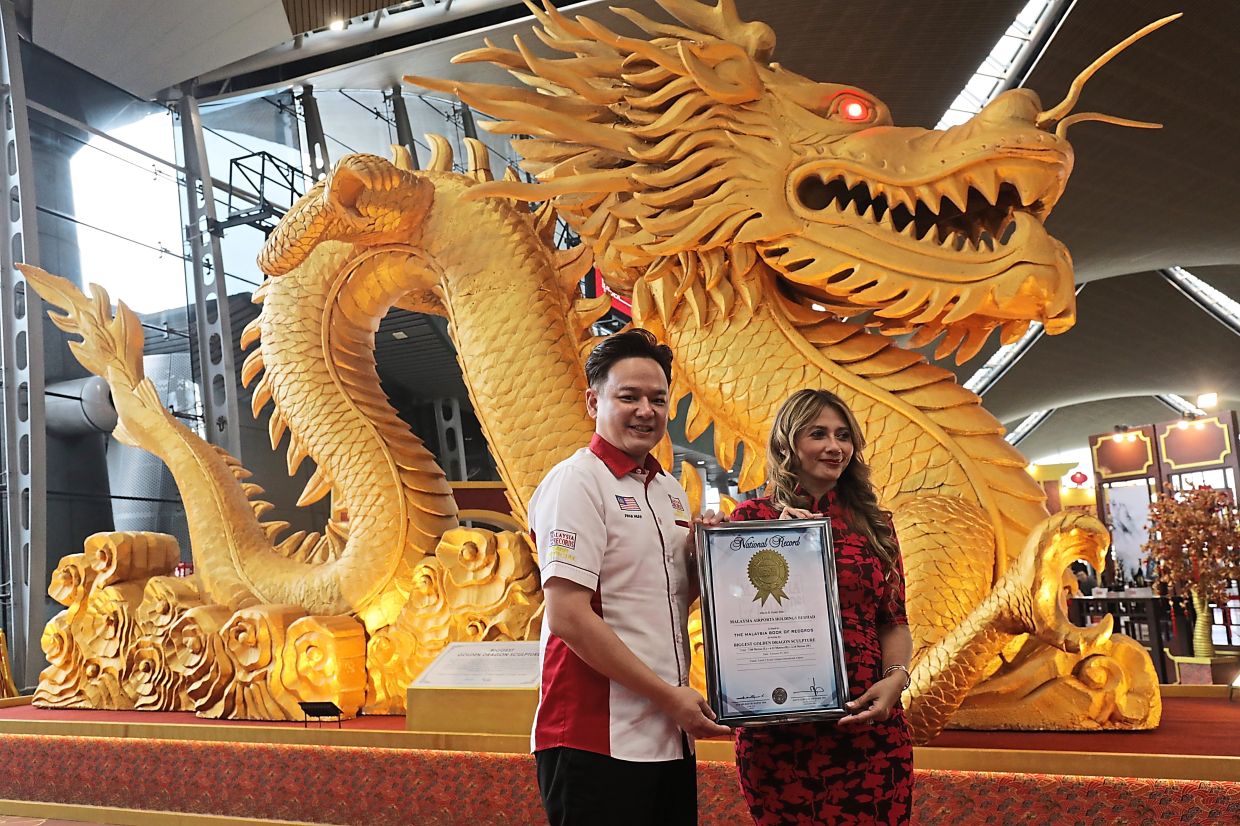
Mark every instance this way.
x=400 y=786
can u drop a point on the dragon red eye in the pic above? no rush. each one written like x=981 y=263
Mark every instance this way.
x=853 y=108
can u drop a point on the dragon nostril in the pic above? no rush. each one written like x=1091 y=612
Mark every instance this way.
x=813 y=193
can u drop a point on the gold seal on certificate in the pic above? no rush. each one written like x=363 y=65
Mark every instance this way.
x=768 y=573
x=771 y=622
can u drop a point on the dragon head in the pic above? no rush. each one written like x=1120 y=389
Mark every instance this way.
x=364 y=200
x=697 y=168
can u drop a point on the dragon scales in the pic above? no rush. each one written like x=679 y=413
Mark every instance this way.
x=748 y=212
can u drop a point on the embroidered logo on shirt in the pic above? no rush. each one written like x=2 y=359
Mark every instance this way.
x=562 y=545
x=628 y=504
x=676 y=506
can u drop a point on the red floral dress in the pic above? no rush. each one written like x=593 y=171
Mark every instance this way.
x=818 y=772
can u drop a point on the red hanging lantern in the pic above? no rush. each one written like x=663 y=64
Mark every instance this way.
x=1078 y=478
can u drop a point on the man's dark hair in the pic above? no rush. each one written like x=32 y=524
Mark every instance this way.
x=635 y=343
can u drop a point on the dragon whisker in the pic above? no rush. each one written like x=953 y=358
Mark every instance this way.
x=1062 y=127
x=1055 y=113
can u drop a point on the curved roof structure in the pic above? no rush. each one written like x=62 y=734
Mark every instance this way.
x=1139 y=201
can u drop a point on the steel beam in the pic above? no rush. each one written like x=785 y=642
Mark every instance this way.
x=316 y=139
x=217 y=375
x=400 y=116
x=451 y=439
x=24 y=569
x=468 y=125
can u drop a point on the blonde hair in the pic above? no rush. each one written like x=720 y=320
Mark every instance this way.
x=854 y=491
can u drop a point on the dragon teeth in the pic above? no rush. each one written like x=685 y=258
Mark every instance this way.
x=987 y=183
x=900 y=196
x=929 y=196
x=956 y=192
x=1027 y=197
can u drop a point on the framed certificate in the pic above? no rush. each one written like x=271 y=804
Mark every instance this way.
x=771 y=622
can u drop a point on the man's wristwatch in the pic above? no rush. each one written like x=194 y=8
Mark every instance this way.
x=908 y=678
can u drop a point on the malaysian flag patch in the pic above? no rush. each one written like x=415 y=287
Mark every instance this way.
x=628 y=504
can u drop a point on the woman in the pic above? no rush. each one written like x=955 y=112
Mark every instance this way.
x=858 y=769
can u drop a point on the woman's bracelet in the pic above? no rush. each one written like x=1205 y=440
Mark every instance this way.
x=908 y=678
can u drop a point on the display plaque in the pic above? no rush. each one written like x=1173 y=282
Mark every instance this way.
x=483 y=665
x=771 y=622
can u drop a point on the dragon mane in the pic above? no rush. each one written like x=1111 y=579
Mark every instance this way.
x=646 y=145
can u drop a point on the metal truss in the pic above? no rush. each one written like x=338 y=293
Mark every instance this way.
x=216 y=369
x=1029 y=424
x=1010 y=61
x=1219 y=306
x=24 y=568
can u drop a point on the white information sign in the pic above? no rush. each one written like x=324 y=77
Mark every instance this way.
x=483 y=665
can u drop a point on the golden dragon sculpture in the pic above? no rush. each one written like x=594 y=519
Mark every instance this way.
x=776 y=231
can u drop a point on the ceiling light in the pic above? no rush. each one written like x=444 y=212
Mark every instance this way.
x=1001 y=360
x=1027 y=425
x=1207 y=401
x=1182 y=424
x=1010 y=56
x=337 y=25
x=1180 y=405
x=1223 y=308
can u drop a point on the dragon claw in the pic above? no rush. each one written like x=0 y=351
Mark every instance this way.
x=1035 y=594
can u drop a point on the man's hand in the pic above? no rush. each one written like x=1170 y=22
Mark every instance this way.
x=876 y=703
x=692 y=713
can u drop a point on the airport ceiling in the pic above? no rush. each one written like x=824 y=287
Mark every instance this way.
x=1138 y=202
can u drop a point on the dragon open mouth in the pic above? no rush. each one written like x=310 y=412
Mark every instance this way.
x=960 y=215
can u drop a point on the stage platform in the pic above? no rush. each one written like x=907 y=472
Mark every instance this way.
x=173 y=768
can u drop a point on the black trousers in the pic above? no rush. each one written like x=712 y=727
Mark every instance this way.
x=581 y=788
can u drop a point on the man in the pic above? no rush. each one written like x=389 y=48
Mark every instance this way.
x=616 y=713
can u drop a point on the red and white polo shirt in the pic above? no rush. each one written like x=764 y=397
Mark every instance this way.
x=602 y=521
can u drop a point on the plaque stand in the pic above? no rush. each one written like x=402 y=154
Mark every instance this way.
x=490 y=710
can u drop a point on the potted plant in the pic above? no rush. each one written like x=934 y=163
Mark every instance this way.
x=1194 y=543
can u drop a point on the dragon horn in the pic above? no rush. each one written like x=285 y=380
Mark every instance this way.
x=1053 y=114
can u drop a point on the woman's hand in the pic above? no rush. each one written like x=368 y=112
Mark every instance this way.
x=798 y=513
x=710 y=519
x=876 y=703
